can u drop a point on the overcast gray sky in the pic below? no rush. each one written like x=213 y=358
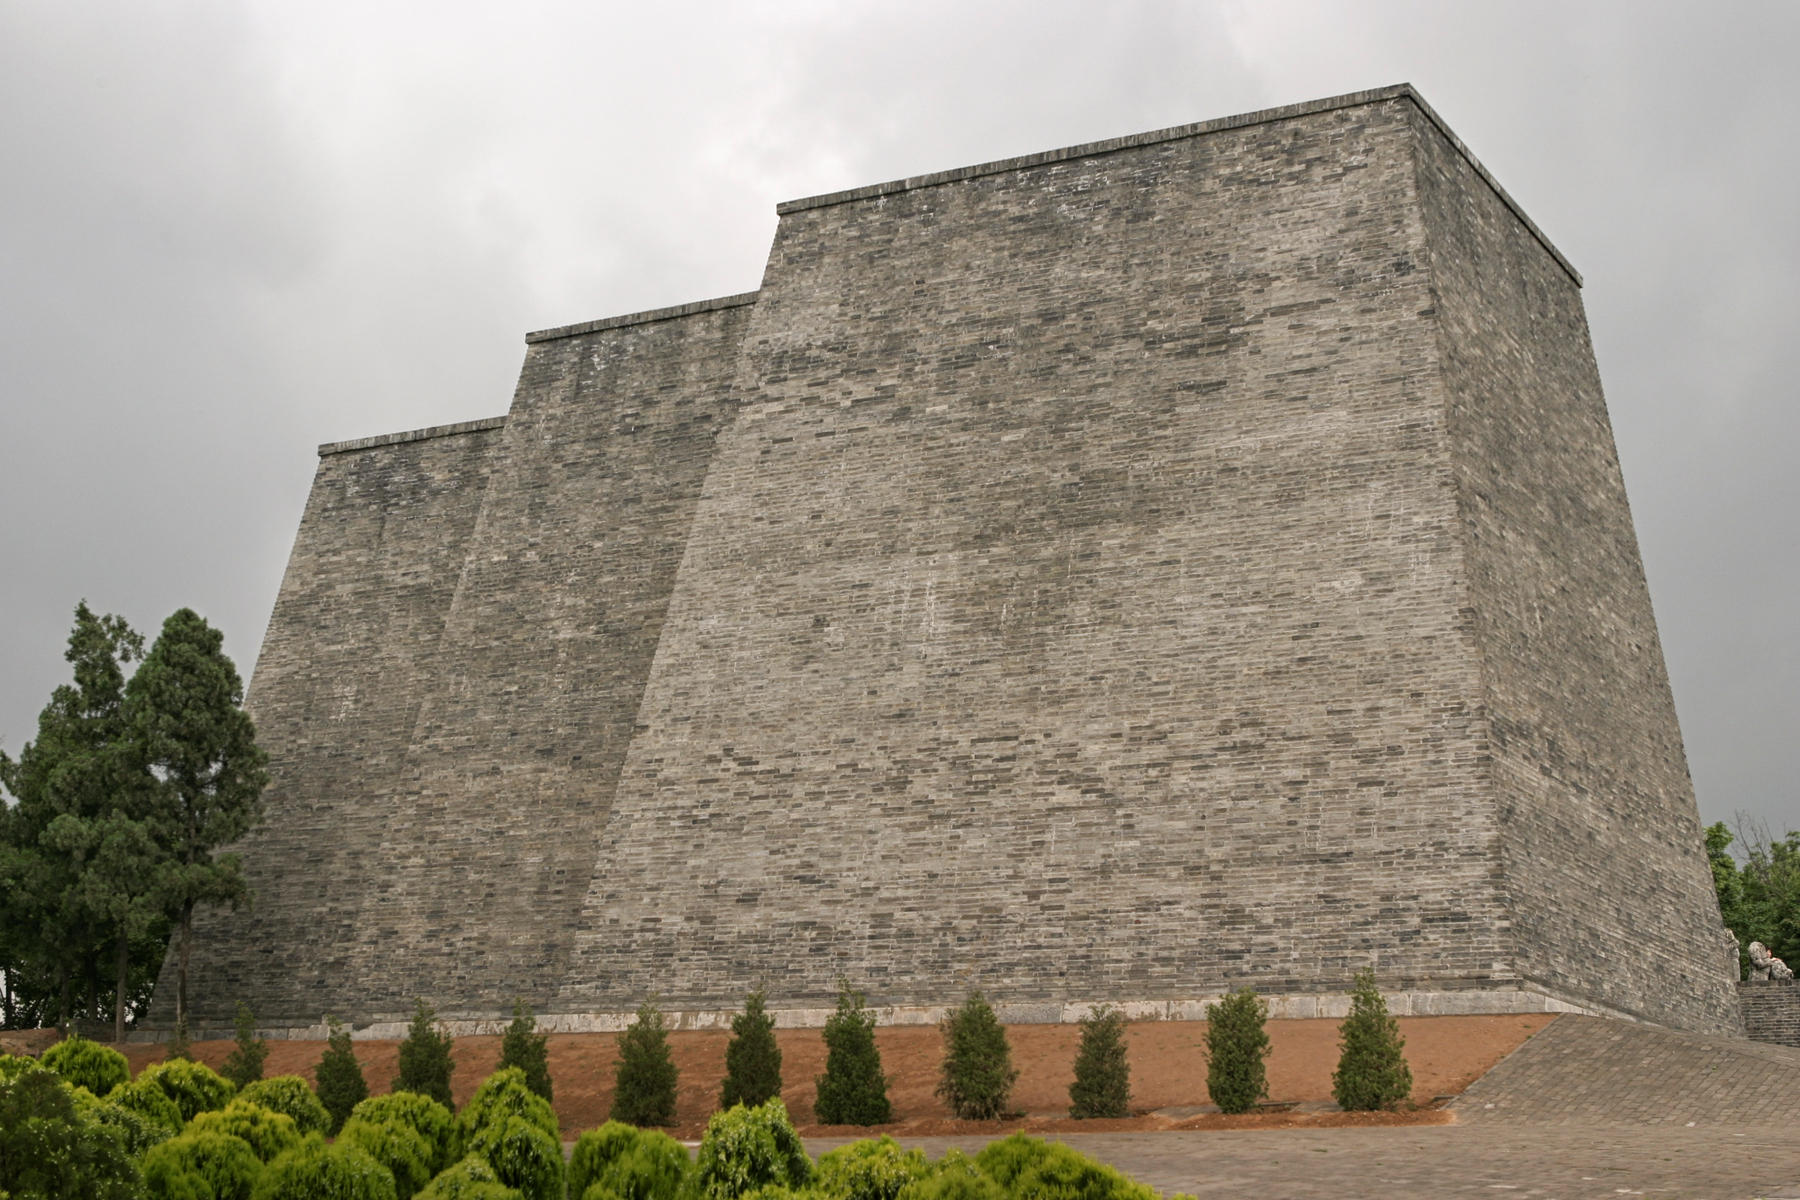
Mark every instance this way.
x=229 y=232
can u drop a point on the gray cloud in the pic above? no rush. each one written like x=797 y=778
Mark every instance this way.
x=229 y=232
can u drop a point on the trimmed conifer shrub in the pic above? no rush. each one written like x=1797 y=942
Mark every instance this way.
x=852 y=1091
x=1236 y=1047
x=265 y=1131
x=1028 y=1166
x=202 y=1163
x=524 y=1157
x=978 y=1074
x=194 y=1087
x=179 y=1045
x=87 y=1064
x=628 y=1163
x=425 y=1062
x=1102 y=1086
x=1371 y=1071
x=137 y=1132
x=423 y=1115
x=872 y=1169
x=527 y=1049
x=312 y=1170
x=291 y=1096
x=403 y=1150
x=752 y=1060
x=244 y=1065
x=954 y=1177
x=143 y=1097
x=47 y=1150
x=470 y=1179
x=502 y=1096
x=644 y=1086
x=745 y=1149
x=341 y=1084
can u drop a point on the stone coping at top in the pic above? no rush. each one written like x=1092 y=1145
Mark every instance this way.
x=1285 y=1007
x=1200 y=128
x=642 y=318
x=414 y=435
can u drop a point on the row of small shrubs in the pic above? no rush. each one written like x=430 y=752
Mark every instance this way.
x=58 y=1140
x=977 y=1074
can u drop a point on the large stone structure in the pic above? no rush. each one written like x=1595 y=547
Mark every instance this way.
x=1187 y=561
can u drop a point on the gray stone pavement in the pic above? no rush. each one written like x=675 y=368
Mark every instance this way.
x=1423 y=1162
x=1586 y=1108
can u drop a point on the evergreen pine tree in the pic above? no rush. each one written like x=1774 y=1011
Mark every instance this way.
x=1236 y=1045
x=527 y=1049
x=852 y=1091
x=425 y=1062
x=244 y=1065
x=978 y=1073
x=179 y=1045
x=1371 y=1071
x=644 y=1087
x=752 y=1060
x=1102 y=1086
x=339 y=1077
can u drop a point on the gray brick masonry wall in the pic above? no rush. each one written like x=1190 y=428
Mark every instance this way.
x=1134 y=571
x=1771 y=1009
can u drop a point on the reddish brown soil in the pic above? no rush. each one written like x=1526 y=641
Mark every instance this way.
x=1168 y=1071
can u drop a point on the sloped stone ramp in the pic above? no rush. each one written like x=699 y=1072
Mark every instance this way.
x=1590 y=1070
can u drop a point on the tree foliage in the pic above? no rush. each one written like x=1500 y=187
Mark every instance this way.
x=528 y=1050
x=852 y=1091
x=978 y=1074
x=1759 y=900
x=1102 y=1086
x=244 y=1065
x=1236 y=1046
x=425 y=1059
x=752 y=1060
x=644 y=1085
x=341 y=1085
x=1371 y=1071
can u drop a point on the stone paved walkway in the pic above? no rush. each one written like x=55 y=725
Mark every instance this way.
x=1426 y=1162
x=1586 y=1108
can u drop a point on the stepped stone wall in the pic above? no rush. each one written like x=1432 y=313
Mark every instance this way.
x=1125 y=573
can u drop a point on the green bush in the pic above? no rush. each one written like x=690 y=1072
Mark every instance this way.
x=852 y=1091
x=341 y=1085
x=264 y=1130
x=1371 y=1071
x=629 y=1163
x=146 y=1098
x=748 y=1148
x=422 y=1114
x=644 y=1086
x=528 y=1050
x=87 y=1064
x=48 y=1152
x=403 y=1150
x=291 y=1096
x=137 y=1132
x=470 y=1179
x=201 y=1165
x=752 y=1060
x=1028 y=1166
x=1236 y=1045
x=16 y=1064
x=194 y=1087
x=244 y=1065
x=425 y=1061
x=314 y=1171
x=502 y=1095
x=180 y=1048
x=1102 y=1086
x=872 y=1169
x=953 y=1177
x=523 y=1156
x=978 y=1073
